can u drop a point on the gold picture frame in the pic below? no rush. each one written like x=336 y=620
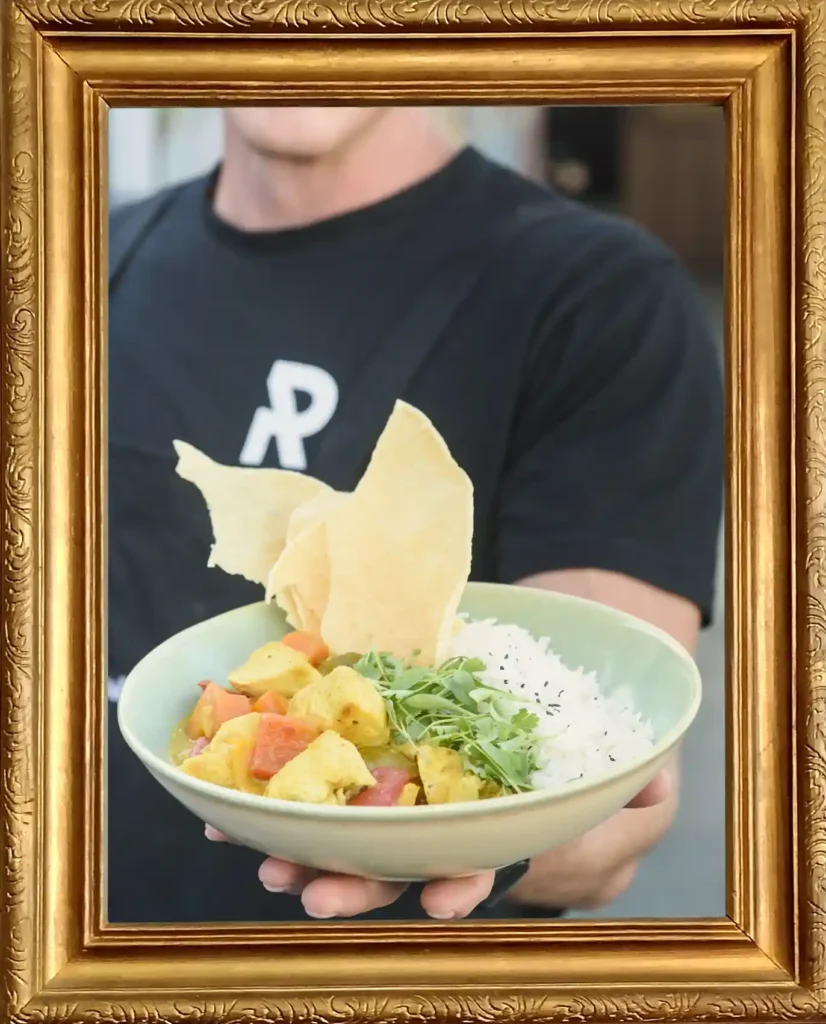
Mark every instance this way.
x=63 y=63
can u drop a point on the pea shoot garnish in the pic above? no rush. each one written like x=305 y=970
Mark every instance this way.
x=450 y=706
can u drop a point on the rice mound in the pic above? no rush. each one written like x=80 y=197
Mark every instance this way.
x=584 y=733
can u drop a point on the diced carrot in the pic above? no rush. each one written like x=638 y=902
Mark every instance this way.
x=388 y=788
x=225 y=705
x=271 y=703
x=215 y=706
x=313 y=646
x=278 y=741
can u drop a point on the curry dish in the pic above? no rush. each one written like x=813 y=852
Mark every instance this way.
x=359 y=730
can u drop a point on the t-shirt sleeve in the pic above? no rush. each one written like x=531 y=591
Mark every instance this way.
x=617 y=457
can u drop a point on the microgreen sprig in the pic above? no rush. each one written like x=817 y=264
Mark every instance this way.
x=450 y=706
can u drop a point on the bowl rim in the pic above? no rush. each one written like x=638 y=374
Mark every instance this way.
x=484 y=808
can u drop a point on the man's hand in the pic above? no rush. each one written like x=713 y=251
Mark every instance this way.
x=598 y=867
x=554 y=880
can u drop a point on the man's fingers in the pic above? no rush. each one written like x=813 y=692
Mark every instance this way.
x=327 y=896
x=656 y=792
x=336 y=896
x=282 y=876
x=346 y=896
x=457 y=897
x=215 y=836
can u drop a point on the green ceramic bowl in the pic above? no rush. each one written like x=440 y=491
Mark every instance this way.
x=418 y=843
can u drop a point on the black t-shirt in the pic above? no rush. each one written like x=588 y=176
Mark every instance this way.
x=577 y=382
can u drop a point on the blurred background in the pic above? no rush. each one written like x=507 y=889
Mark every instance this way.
x=661 y=166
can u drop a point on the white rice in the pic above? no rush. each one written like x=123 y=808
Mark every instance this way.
x=584 y=733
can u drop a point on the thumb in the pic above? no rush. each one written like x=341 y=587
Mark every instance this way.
x=656 y=792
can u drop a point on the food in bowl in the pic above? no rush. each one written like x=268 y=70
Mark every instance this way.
x=382 y=695
x=373 y=731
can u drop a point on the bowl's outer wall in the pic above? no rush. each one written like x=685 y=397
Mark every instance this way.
x=659 y=678
x=414 y=851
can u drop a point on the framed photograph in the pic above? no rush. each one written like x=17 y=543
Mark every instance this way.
x=87 y=866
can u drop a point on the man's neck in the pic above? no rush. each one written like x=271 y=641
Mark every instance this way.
x=258 y=192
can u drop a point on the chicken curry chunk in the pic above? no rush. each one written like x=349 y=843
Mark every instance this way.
x=329 y=771
x=225 y=761
x=443 y=776
x=277 y=667
x=347 y=703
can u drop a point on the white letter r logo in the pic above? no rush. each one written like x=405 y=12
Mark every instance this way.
x=282 y=422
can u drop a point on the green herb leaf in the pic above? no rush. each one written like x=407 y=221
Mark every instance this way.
x=450 y=706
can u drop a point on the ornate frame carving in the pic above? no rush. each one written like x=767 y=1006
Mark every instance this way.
x=63 y=63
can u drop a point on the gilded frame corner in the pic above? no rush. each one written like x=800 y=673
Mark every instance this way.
x=62 y=63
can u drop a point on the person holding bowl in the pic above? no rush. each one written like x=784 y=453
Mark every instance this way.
x=563 y=354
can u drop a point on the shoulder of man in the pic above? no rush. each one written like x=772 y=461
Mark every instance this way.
x=123 y=215
x=566 y=244
x=594 y=243
x=131 y=222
